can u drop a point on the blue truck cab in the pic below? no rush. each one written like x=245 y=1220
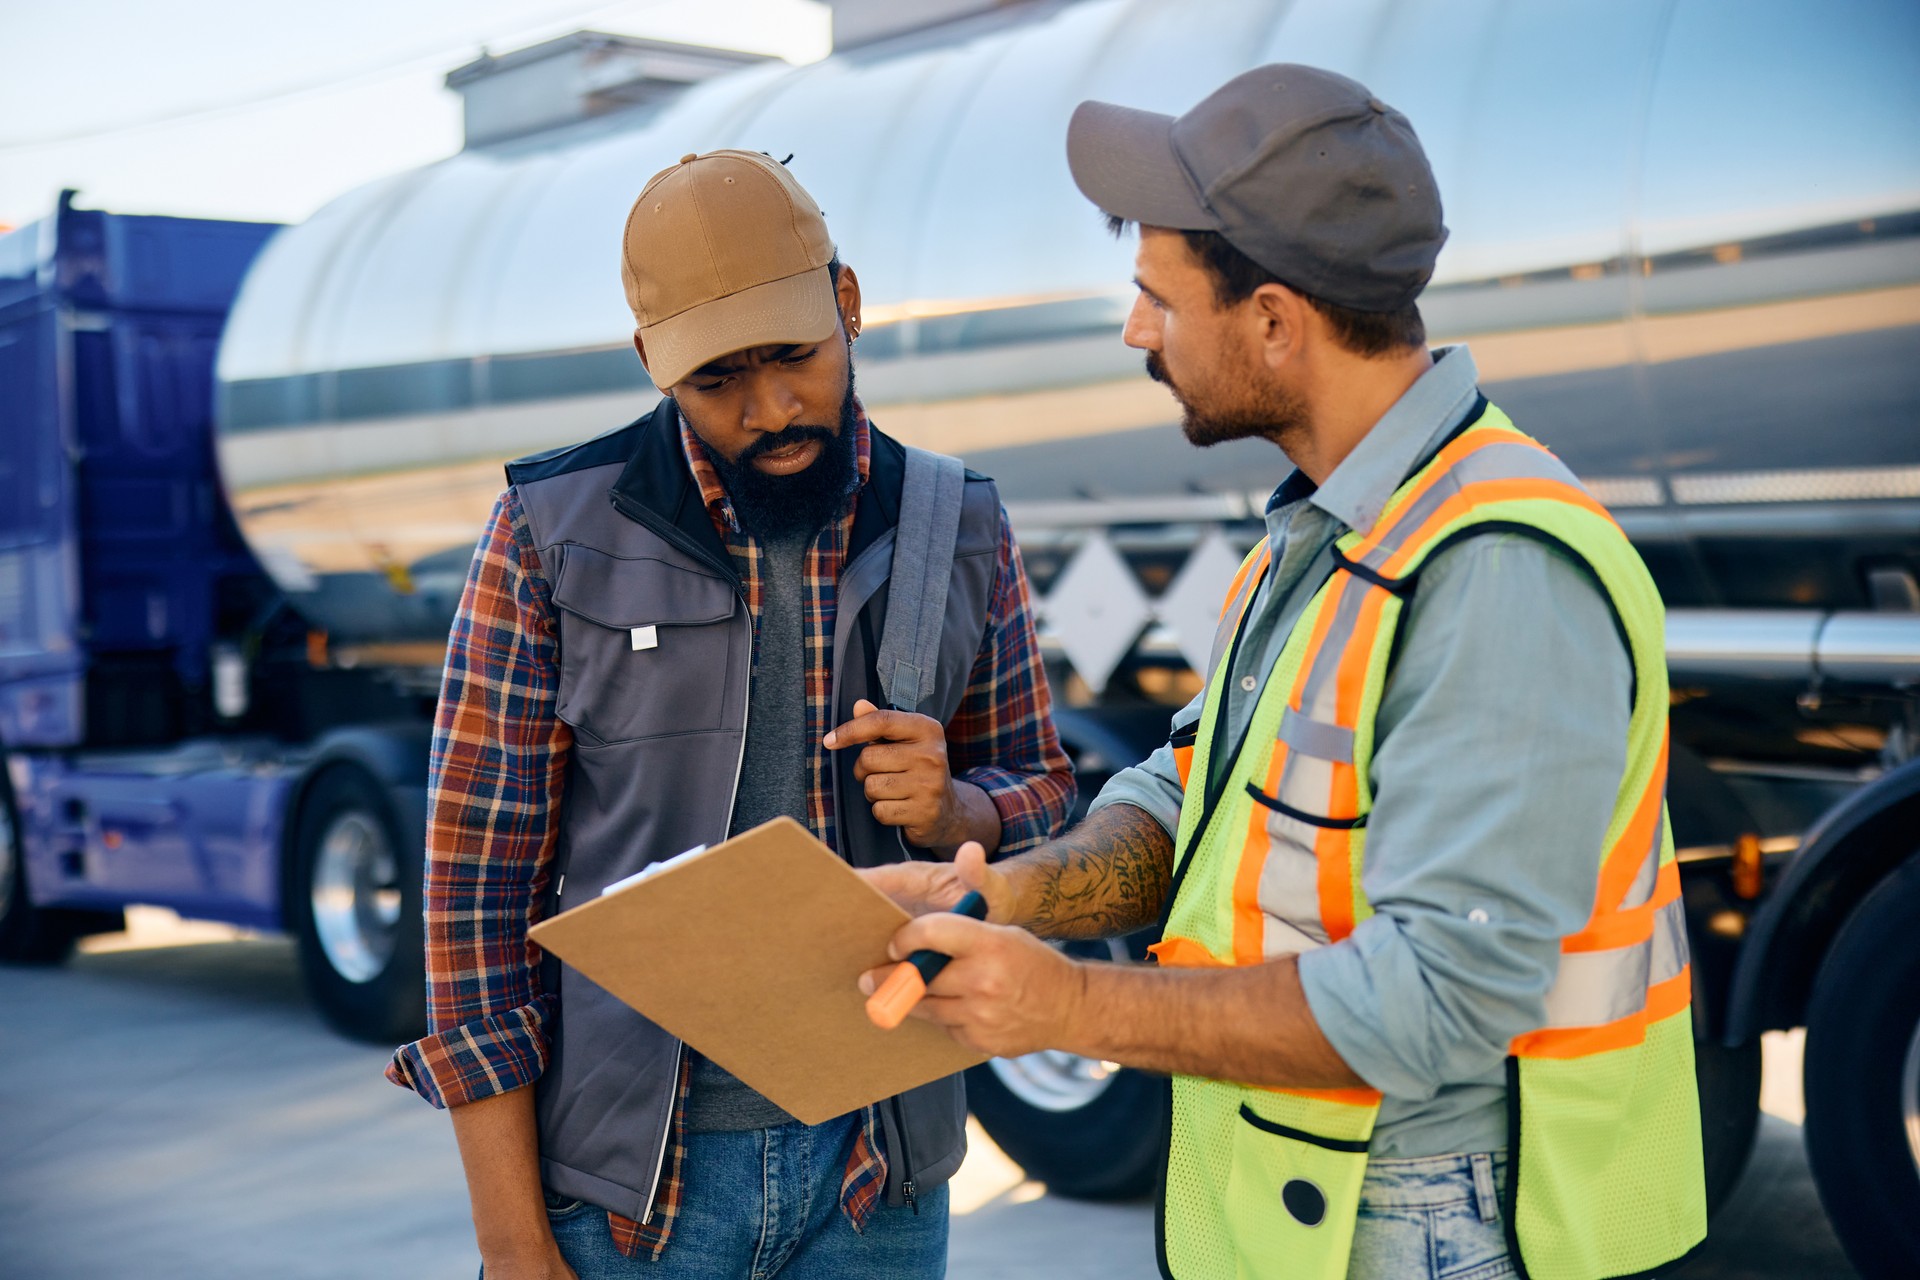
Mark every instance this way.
x=168 y=736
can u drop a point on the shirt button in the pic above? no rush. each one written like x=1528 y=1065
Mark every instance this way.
x=1249 y=683
x=1478 y=915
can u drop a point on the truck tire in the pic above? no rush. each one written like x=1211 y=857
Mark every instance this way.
x=355 y=904
x=1729 y=1079
x=1862 y=1080
x=1086 y=1129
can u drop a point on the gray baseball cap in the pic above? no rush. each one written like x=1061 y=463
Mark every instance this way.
x=1302 y=170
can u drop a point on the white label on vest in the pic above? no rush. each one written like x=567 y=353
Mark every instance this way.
x=645 y=637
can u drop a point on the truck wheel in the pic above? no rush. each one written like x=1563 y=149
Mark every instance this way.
x=1862 y=1079
x=356 y=907
x=1729 y=1080
x=1087 y=1129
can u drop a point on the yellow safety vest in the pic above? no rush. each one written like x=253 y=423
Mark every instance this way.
x=1605 y=1175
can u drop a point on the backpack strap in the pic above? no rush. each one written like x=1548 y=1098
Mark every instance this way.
x=930 y=502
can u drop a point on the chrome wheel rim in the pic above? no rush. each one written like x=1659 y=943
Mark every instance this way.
x=356 y=896
x=1055 y=1081
x=1910 y=1096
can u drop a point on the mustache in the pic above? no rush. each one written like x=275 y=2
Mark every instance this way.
x=1157 y=369
x=786 y=438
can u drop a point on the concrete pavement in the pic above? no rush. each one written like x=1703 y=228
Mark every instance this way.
x=178 y=1112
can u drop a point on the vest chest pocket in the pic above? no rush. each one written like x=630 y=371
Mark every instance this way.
x=647 y=647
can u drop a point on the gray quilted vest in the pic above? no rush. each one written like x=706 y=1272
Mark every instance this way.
x=625 y=541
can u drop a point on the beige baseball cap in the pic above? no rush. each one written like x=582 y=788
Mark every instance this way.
x=722 y=252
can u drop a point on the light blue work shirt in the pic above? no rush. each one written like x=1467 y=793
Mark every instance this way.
x=1500 y=744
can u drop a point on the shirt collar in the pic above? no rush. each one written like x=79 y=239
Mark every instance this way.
x=1357 y=491
x=713 y=491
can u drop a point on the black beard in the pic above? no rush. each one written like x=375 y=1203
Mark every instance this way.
x=1277 y=419
x=774 y=508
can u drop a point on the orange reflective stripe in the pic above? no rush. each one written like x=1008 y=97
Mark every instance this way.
x=1624 y=860
x=1635 y=924
x=1664 y=999
x=1183 y=761
x=1486 y=493
x=1337 y=586
x=1249 y=918
x=1255 y=565
x=1471 y=442
x=1345 y=1097
x=1184 y=953
x=1333 y=847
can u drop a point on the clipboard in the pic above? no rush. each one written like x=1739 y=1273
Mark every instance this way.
x=750 y=951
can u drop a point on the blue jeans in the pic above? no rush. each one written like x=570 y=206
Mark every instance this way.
x=765 y=1204
x=1436 y=1218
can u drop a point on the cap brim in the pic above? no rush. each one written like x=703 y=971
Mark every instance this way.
x=798 y=308
x=1123 y=160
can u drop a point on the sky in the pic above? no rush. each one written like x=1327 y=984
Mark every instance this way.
x=267 y=109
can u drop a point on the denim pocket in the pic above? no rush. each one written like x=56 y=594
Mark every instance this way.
x=1466 y=1247
x=559 y=1206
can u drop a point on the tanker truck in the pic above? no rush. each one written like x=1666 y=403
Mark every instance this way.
x=1685 y=252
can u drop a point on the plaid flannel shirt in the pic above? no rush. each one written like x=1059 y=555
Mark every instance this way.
x=497 y=776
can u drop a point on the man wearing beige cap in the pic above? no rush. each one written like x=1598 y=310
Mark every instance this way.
x=672 y=633
x=1422 y=983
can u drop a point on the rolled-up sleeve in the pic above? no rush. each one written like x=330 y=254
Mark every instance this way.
x=1002 y=738
x=1154 y=784
x=494 y=788
x=1502 y=743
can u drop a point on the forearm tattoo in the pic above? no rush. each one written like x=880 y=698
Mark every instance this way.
x=1106 y=877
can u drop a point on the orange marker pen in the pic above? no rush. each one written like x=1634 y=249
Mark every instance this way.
x=894 y=999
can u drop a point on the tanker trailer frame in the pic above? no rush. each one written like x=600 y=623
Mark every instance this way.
x=1686 y=254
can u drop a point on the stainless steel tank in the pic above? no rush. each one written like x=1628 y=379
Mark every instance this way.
x=1685 y=250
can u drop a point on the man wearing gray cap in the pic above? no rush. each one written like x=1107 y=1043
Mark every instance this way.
x=1422 y=983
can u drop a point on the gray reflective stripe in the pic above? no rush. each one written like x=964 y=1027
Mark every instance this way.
x=1594 y=988
x=1306 y=784
x=1504 y=461
x=1597 y=987
x=1289 y=883
x=1649 y=873
x=1318 y=697
x=1290 y=888
x=1316 y=737
x=1670 y=952
x=1282 y=938
x=1230 y=616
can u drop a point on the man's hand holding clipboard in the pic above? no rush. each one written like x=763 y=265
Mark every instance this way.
x=1002 y=991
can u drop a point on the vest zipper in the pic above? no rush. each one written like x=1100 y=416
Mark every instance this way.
x=673 y=534
x=660 y=1165
x=907 y=1188
x=733 y=800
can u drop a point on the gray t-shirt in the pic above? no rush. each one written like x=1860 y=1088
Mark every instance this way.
x=773 y=782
